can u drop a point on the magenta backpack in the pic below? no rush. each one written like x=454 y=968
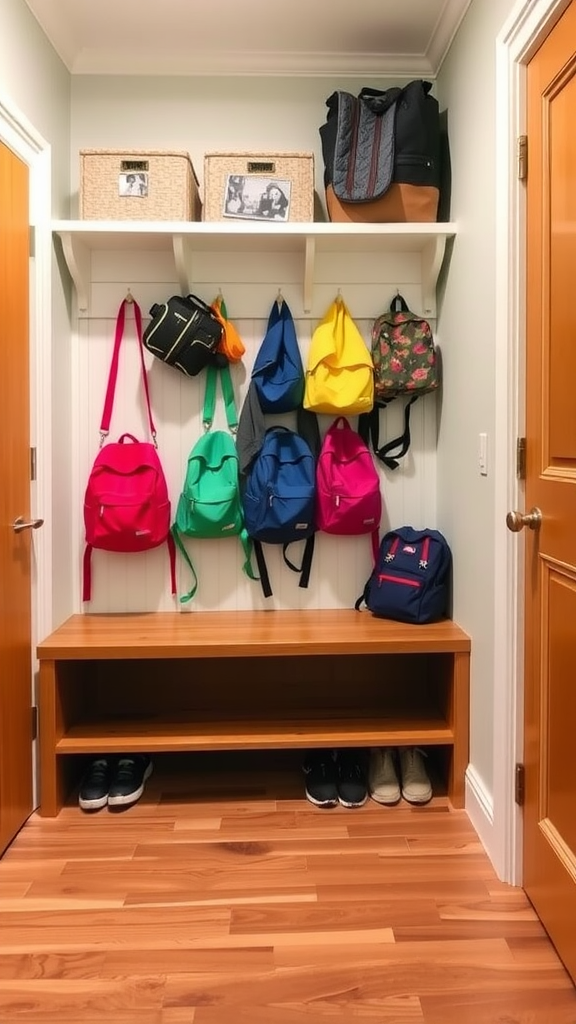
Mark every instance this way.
x=348 y=498
x=126 y=503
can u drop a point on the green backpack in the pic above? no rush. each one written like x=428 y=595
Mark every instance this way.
x=210 y=505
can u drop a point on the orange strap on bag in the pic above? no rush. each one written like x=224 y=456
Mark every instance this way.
x=231 y=344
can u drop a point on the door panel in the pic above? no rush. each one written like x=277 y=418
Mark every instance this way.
x=550 y=616
x=15 y=548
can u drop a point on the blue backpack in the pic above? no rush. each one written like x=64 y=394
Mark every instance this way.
x=279 y=496
x=278 y=373
x=410 y=581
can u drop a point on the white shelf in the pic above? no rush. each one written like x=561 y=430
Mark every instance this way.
x=187 y=240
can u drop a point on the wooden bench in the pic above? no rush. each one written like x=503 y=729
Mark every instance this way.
x=249 y=680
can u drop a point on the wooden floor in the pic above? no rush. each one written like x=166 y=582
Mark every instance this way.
x=224 y=897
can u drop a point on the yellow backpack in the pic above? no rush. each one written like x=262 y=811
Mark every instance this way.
x=339 y=374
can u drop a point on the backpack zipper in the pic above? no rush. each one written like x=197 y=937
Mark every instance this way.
x=414 y=158
x=384 y=577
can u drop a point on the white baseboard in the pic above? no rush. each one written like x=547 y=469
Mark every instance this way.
x=480 y=809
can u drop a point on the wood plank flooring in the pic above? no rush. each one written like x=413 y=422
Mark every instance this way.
x=224 y=897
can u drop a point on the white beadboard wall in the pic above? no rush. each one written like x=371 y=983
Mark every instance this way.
x=250 y=283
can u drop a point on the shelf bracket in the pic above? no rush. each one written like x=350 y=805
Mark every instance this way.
x=432 y=256
x=309 y=256
x=183 y=261
x=77 y=256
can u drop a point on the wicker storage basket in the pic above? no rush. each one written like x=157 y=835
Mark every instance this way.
x=259 y=176
x=134 y=184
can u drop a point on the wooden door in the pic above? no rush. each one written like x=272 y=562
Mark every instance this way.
x=550 y=612
x=15 y=547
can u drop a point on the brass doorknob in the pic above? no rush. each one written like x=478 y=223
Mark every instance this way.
x=516 y=521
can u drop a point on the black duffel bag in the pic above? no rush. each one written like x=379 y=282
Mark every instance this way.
x=382 y=154
x=184 y=333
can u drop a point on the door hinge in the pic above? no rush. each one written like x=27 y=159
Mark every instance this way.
x=519 y=784
x=32 y=241
x=522 y=157
x=32 y=463
x=34 y=710
x=521 y=458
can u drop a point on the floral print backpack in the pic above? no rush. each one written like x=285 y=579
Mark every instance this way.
x=406 y=365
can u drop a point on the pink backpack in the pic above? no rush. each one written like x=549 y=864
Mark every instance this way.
x=348 y=498
x=126 y=503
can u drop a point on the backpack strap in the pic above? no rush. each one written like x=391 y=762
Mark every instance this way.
x=172 y=557
x=375 y=536
x=87 y=573
x=306 y=565
x=87 y=568
x=262 y=569
x=246 y=568
x=212 y=373
x=304 y=568
x=113 y=373
x=178 y=541
x=394 y=450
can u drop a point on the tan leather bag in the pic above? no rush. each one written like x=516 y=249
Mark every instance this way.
x=402 y=203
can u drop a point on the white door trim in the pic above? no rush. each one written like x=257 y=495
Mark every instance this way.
x=529 y=23
x=19 y=135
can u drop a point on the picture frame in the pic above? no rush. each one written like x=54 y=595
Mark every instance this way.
x=257 y=197
x=133 y=183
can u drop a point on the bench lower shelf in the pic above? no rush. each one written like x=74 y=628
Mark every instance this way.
x=163 y=734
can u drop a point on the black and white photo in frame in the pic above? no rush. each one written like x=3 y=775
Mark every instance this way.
x=254 y=197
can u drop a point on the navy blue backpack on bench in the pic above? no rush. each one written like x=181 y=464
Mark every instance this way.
x=410 y=581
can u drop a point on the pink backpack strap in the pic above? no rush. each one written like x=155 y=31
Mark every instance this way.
x=87 y=568
x=87 y=573
x=113 y=374
x=375 y=544
x=172 y=556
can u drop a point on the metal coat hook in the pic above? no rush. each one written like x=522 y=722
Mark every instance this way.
x=129 y=296
x=279 y=299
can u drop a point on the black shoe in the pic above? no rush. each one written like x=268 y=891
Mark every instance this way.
x=96 y=784
x=321 y=780
x=351 y=768
x=127 y=786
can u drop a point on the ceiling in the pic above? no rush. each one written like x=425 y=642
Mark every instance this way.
x=230 y=37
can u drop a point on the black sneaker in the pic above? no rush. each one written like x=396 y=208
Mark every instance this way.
x=127 y=786
x=351 y=768
x=96 y=784
x=321 y=779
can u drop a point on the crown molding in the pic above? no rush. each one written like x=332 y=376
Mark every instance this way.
x=245 y=63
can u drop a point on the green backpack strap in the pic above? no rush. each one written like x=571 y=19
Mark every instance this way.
x=247 y=547
x=186 y=557
x=212 y=374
